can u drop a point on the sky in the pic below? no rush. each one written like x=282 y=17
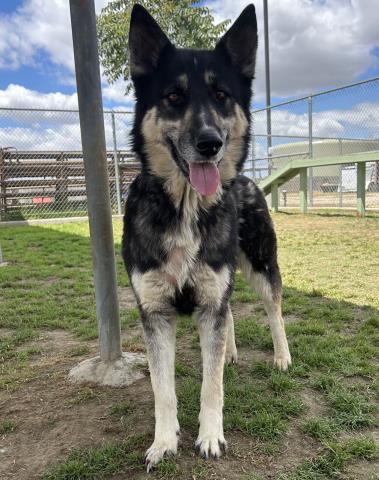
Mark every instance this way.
x=314 y=45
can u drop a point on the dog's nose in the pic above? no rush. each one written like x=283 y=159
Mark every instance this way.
x=208 y=143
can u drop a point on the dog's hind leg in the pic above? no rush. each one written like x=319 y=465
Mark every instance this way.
x=258 y=262
x=268 y=286
x=231 y=355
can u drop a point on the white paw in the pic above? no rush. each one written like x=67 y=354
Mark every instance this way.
x=211 y=446
x=231 y=356
x=158 y=450
x=283 y=361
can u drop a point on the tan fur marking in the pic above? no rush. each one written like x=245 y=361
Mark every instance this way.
x=212 y=285
x=161 y=162
x=153 y=290
x=209 y=77
x=234 y=148
x=183 y=81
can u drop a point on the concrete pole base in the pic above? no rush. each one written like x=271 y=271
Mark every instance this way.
x=119 y=373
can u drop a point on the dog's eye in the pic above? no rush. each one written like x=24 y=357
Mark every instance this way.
x=221 y=96
x=174 y=98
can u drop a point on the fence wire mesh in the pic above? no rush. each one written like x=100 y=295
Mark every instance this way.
x=338 y=122
x=42 y=170
x=41 y=163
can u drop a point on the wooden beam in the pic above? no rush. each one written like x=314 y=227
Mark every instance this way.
x=336 y=159
x=361 y=189
x=291 y=169
x=274 y=198
x=303 y=192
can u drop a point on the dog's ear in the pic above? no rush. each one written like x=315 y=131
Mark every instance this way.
x=146 y=42
x=241 y=41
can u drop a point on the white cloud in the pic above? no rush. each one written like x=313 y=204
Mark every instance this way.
x=44 y=26
x=115 y=92
x=360 y=121
x=27 y=129
x=313 y=43
x=38 y=25
x=17 y=96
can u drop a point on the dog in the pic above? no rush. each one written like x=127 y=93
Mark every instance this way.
x=191 y=218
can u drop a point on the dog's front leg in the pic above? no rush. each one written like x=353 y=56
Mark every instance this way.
x=159 y=333
x=213 y=330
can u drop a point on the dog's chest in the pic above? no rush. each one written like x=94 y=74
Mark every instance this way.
x=182 y=248
x=182 y=245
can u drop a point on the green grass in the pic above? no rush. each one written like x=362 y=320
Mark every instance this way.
x=332 y=464
x=88 y=463
x=122 y=408
x=84 y=395
x=7 y=426
x=330 y=270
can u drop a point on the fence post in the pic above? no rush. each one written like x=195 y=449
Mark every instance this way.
x=303 y=190
x=361 y=189
x=310 y=148
x=116 y=165
x=3 y=198
x=340 y=194
x=274 y=198
x=268 y=86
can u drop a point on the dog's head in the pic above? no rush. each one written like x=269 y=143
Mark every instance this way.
x=193 y=106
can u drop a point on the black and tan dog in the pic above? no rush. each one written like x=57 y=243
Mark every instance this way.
x=191 y=218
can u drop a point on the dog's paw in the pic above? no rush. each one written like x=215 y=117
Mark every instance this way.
x=231 y=356
x=283 y=361
x=158 y=450
x=211 y=446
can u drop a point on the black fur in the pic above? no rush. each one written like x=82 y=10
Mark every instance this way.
x=191 y=217
x=240 y=219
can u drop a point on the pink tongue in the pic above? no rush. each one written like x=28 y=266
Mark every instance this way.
x=204 y=177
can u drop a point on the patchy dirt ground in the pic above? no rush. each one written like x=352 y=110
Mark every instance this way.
x=53 y=416
x=279 y=427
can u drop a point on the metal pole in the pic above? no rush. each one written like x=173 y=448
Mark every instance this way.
x=268 y=86
x=310 y=148
x=116 y=169
x=83 y=22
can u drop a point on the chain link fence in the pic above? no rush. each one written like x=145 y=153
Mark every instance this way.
x=42 y=168
x=337 y=122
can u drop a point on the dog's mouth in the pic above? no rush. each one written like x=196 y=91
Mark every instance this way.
x=204 y=177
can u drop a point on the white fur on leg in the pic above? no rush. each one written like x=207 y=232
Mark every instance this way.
x=282 y=356
x=211 y=441
x=231 y=355
x=161 y=354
